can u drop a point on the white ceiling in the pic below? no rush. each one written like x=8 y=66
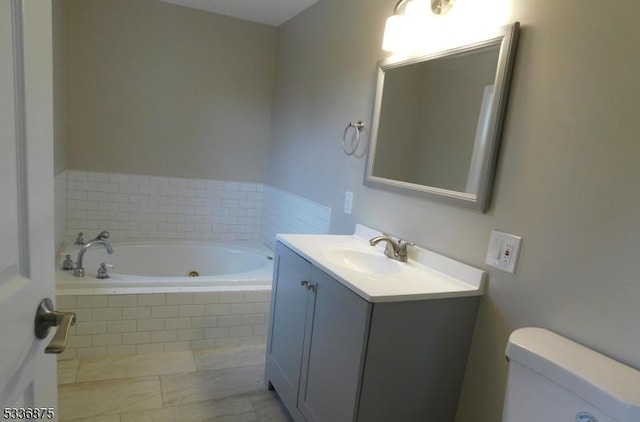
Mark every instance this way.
x=271 y=12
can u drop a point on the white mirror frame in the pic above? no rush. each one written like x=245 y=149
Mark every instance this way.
x=507 y=38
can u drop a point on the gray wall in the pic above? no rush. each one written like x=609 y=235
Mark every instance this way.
x=567 y=177
x=59 y=135
x=153 y=88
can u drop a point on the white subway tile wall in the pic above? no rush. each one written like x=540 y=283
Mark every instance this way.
x=284 y=212
x=148 y=323
x=135 y=207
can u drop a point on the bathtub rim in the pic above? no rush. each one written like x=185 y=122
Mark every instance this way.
x=100 y=291
x=255 y=280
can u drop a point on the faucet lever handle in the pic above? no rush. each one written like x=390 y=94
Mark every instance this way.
x=402 y=249
x=103 y=271
x=103 y=235
x=67 y=264
x=79 y=239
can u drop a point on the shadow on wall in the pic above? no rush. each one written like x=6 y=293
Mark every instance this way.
x=489 y=334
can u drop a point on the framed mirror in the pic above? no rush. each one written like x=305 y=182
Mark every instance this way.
x=437 y=121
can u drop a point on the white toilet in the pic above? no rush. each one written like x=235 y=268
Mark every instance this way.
x=553 y=379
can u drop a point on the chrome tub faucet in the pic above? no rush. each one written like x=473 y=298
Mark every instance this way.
x=101 y=239
x=396 y=250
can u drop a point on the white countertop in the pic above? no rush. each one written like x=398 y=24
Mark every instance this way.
x=426 y=275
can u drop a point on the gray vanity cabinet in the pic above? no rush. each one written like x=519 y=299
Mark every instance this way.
x=316 y=339
x=334 y=357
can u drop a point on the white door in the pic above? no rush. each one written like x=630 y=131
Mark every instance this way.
x=27 y=374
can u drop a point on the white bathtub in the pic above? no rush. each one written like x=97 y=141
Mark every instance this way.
x=164 y=267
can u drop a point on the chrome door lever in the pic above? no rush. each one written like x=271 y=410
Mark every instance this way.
x=47 y=317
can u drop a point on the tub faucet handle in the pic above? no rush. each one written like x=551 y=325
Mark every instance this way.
x=67 y=264
x=103 y=235
x=103 y=271
x=79 y=239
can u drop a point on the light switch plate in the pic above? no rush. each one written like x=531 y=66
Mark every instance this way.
x=348 y=202
x=503 y=251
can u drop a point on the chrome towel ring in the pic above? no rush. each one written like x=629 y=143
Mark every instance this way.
x=351 y=146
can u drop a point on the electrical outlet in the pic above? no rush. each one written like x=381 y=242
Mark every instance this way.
x=348 y=202
x=507 y=251
x=503 y=251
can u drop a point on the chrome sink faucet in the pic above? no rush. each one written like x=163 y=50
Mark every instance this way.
x=101 y=239
x=395 y=249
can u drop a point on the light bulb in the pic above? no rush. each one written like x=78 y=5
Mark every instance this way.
x=395 y=33
x=418 y=9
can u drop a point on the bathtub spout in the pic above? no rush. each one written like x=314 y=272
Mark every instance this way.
x=101 y=239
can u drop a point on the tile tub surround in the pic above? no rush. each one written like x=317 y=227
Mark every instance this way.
x=130 y=324
x=137 y=207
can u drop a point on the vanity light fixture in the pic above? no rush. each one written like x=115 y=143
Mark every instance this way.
x=441 y=7
x=401 y=27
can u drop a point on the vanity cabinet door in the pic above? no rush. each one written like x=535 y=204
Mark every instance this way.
x=336 y=333
x=289 y=305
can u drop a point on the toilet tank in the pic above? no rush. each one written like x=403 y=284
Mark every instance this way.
x=554 y=379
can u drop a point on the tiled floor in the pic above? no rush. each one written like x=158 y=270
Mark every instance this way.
x=204 y=385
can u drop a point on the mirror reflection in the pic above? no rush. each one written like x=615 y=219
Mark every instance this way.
x=437 y=122
x=445 y=101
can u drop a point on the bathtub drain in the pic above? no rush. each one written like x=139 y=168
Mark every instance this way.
x=193 y=273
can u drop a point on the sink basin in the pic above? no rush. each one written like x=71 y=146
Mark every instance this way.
x=364 y=262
